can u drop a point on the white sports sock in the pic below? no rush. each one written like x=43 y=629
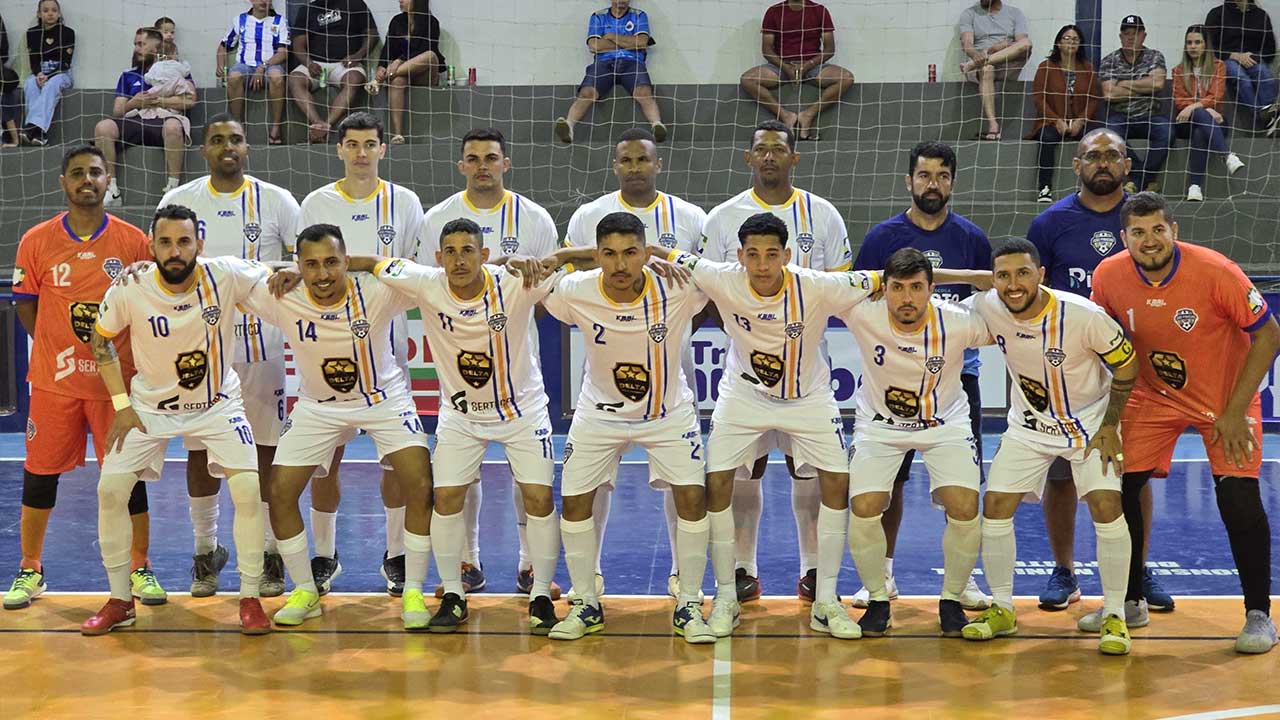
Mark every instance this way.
x=269 y=536
x=544 y=549
x=888 y=567
x=866 y=545
x=448 y=534
x=248 y=528
x=961 y=541
x=748 y=501
x=692 y=537
x=722 y=548
x=522 y=527
x=1000 y=552
x=806 y=498
x=831 y=541
x=1114 y=552
x=417 y=559
x=297 y=560
x=115 y=531
x=669 y=511
x=600 y=508
x=204 y=522
x=579 y=539
x=395 y=531
x=324 y=530
x=471 y=510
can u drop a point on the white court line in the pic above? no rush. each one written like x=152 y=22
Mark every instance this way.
x=1224 y=714
x=722 y=679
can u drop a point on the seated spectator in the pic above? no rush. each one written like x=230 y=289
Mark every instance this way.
x=1066 y=94
x=143 y=116
x=260 y=39
x=10 y=103
x=168 y=29
x=410 y=56
x=1199 y=87
x=618 y=36
x=1131 y=78
x=50 y=45
x=994 y=36
x=798 y=40
x=1242 y=36
x=331 y=41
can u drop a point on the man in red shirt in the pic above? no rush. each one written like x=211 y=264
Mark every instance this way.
x=63 y=268
x=1205 y=338
x=798 y=40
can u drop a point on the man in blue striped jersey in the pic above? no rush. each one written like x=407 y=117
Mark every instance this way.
x=259 y=39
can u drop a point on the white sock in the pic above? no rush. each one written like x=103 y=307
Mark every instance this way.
x=1000 y=552
x=961 y=541
x=831 y=541
x=471 y=511
x=1114 y=552
x=866 y=545
x=395 y=531
x=522 y=527
x=297 y=560
x=806 y=498
x=544 y=549
x=269 y=536
x=888 y=567
x=115 y=531
x=600 y=508
x=748 y=500
x=417 y=558
x=722 y=547
x=579 y=539
x=448 y=534
x=248 y=528
x=669 y=511
x=204 y=522
x=324 y=530
x=692 y=537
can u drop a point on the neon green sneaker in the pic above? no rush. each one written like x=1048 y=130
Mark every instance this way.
x=994 y=622
x=147 y=588
x=1115 y=636
x=27 y=585
x=302 y=605
x=414 y=611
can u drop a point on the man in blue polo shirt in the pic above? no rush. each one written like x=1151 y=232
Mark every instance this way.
x=619 y=36
x=949 y=241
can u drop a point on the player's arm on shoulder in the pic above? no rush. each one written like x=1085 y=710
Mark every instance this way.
x=571 y=258
x=980 y=279
x=845 y=288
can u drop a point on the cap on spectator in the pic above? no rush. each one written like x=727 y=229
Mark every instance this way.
x=1132 y=21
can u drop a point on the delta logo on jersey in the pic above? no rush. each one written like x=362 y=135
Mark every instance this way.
x=360 y=328
x=935 y=258
x=805 y=241
x=1055 y=356
x=112 y=266
x=387 y=234
x=1103 y=242
x=509 y=245
x=1186 y=319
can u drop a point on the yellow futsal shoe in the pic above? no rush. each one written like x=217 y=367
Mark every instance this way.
x=414 y=611
x=994 y=622
x=1115 y=636
x=147 y=588
x=301 y=605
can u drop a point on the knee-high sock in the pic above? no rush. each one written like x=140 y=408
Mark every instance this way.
x=115 y=531
x=248 y=527
x=669 y=511
x=960 y=544
x=721 y=541
x=524 y=562
x=831 y=541
x=579 y=539
x=395 y=531
x=324 y=530
x=1131 y=502
x=748 y=501
x=600 y=508
x=999 y=553
x=1113 y=563
x=692 y=538
x=544 y=551
x=268 y=536
x=297 y=560
x=204 y=522
x=448 y=535
x=867 y=546
x=806 y=499
x=1249 y=532
x=471 y=509
x=417 y=558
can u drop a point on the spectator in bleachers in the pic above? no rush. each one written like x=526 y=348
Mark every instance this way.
x=1242 y=36
x=50 y=45
x=1131 y=78
x=798 y=40
x=410 y=56
x=10 y=103
x=331 y=42
x=995 y=37
x=168 y=29
x=1066 y=94
x=259 y=38
x=1199 y=88
x=618 y=36
x=164 y=124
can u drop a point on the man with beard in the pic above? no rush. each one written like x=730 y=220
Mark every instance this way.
x=63 y=267
x=127 y=127
x=949 y=241
x=243 y=217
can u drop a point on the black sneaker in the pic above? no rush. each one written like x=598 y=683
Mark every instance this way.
x=542 y=615
x=37 y=137
x=747 y=586
x=393 y=573
x=452 y=613
x=205 y=569
x=951 y=617
x=272 y=584
x=875 y=622
x=324 y=570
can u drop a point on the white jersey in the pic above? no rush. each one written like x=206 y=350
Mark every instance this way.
x=343 y=351
x=517 y=226
x=774 y=341
x=1057 y=363
x=818 y=237
x=256 y=222
x=181 y=343
x=632 y=351
x=911 y=381
x=488 y=370
x=668 y=221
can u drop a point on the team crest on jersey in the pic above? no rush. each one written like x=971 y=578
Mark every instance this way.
x=339 y=373
x=509 y=245
x=631 y=380
x=387 y=234
x=1186 y=318
x=658 y=332
x=19 y=275
x=767 y=367
x=934 y=363
x=31 y=430
x=1103 y=242
x=476 y=368
x=1256 y=303
x=192 y=368
x=805 y=241
x=211 y=314
x=902 y=402
x=794 y=330
x=935 y=258
x=252 y=231
x=1055 y=356
x=667 y=240
x=83 y=316
x=497 y=322
x=360 y=328
x=112 y=266
x=1169 y=367
x=1034 y=392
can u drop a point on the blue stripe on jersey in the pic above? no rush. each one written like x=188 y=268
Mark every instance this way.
x=799 y=339
x=493 y=351
x=662 y=291
x=208 y=337
x=373 y=363
x=506 y=350
x=244 y=20
x=649 y=355
x=257 y=41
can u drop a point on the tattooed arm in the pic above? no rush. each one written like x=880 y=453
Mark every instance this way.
x=1107 y=439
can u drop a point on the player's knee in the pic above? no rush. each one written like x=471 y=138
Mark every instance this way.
x=114 y=490
x=106 y=129
x=449 y=501
x=589 y=93
x=538 y=499
x=1239 y=501
x=245 y=489
x=138 y=499
x=1104 y=505
x=39 y=492
x=999 y=506
x=963 y=508
x=867 y=504
x=171 y=130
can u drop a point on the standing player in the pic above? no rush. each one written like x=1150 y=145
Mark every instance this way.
x=515 y=225
x=633 y=393
x=818 y=239
x=1205 y=338
x=377 y=218
x=950 y=242
x=180 y=319
x=63 y=267
x=243 y=217
x=1065 y=405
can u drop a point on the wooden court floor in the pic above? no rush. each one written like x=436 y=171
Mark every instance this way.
x=186 y=660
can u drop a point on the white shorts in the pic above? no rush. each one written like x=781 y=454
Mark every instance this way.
x=673 y=443
x=314 y=430
x=460 y=446
x=262 y=392
x=811 y=425
x=950 y=453
x=222 y=429
x=336 y=72
x=1021 y=466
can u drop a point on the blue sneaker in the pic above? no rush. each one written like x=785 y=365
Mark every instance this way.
x=582 y=620
x=1158 y=599
x=1061 y=591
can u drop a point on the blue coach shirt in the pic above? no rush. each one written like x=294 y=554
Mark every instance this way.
x=131 y=83
x=634 y=22
x=957 y=245
x=1072 y=240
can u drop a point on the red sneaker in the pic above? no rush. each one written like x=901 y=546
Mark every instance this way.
x=253 y=621
x=116 y=613
x=807 y=587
